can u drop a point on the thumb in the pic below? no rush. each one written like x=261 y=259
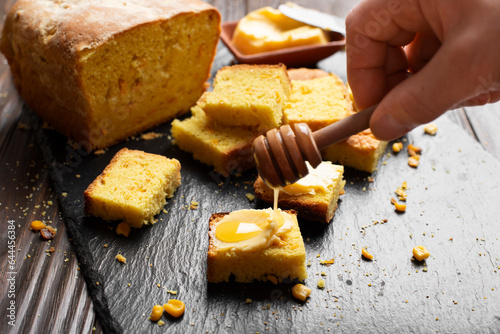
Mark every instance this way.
x=438 y=86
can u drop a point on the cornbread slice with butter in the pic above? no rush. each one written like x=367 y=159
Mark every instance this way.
x=314 y=197
x=255 y=245
x=228 y=149
x=133 y=187
x=250 y=96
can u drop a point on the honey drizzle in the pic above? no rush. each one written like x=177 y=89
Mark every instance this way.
x=276 y=194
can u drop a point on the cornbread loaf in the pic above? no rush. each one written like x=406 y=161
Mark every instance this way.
x=313 y=198
x=283 y=259
x=133 y=187
x=315 y=90
x=227 y=149
x=100 y=71
x=251 y=96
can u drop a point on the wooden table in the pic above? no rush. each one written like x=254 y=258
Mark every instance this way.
x=50 y=294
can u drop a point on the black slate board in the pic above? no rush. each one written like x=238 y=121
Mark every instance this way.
x=453 y=194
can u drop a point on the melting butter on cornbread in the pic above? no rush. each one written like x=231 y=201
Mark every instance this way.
x=249 y=230
x=314 y=197
x=316 y=181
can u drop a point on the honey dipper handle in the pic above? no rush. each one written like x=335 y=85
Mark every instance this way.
x=342 y=129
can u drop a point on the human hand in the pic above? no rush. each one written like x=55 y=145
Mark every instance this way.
x=420 y=58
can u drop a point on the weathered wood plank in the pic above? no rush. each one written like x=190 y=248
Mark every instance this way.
x=51 y=296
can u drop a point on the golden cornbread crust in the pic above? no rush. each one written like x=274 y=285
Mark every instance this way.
x=361 y=151
x=133 y=187
x=317 y=100
x=249 y=96
x=279 y=261
x=102 y=71
x=227 y=149
x=317 y=207
x=304 y=73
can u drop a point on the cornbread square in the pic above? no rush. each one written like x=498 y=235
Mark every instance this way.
x=101 y=71
x=227 y=149
x=321 y=91
x=318 y=102
x=361 y=151
x=317 y=205
x=281 y=260
x=133 y=187
x=250 y=96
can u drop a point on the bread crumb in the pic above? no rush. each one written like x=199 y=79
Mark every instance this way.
x=248 y=301
x=123 y=229
x=161 y=323
x=321 y=284
x=174 y=292
x=121 y=258
x=250 y=196
x=64 y=194
x=99 y=152
x=151 y=135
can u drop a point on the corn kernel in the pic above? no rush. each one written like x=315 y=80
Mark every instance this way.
x=174 y=307
x=123 y=229
x=156 y=313
x=301 y=292
x=37 y=225
x=414 y=150
x=399 y=206
x=397 y=147
x=420 y=253
x=414 y=161
x=430 y=129
x=365 y=253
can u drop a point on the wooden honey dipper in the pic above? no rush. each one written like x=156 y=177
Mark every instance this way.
x=281 y=155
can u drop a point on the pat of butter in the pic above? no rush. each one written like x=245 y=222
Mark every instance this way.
x=267 y=29
x=249 y=230
x=317 y=180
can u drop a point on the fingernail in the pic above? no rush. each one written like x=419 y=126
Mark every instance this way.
x=387 y=127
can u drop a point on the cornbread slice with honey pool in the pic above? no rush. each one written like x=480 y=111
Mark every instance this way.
x=251 y=96
x=255 y=245
x=315 y=90
x=133 y=187
x=314 y=197
x=228 y=149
